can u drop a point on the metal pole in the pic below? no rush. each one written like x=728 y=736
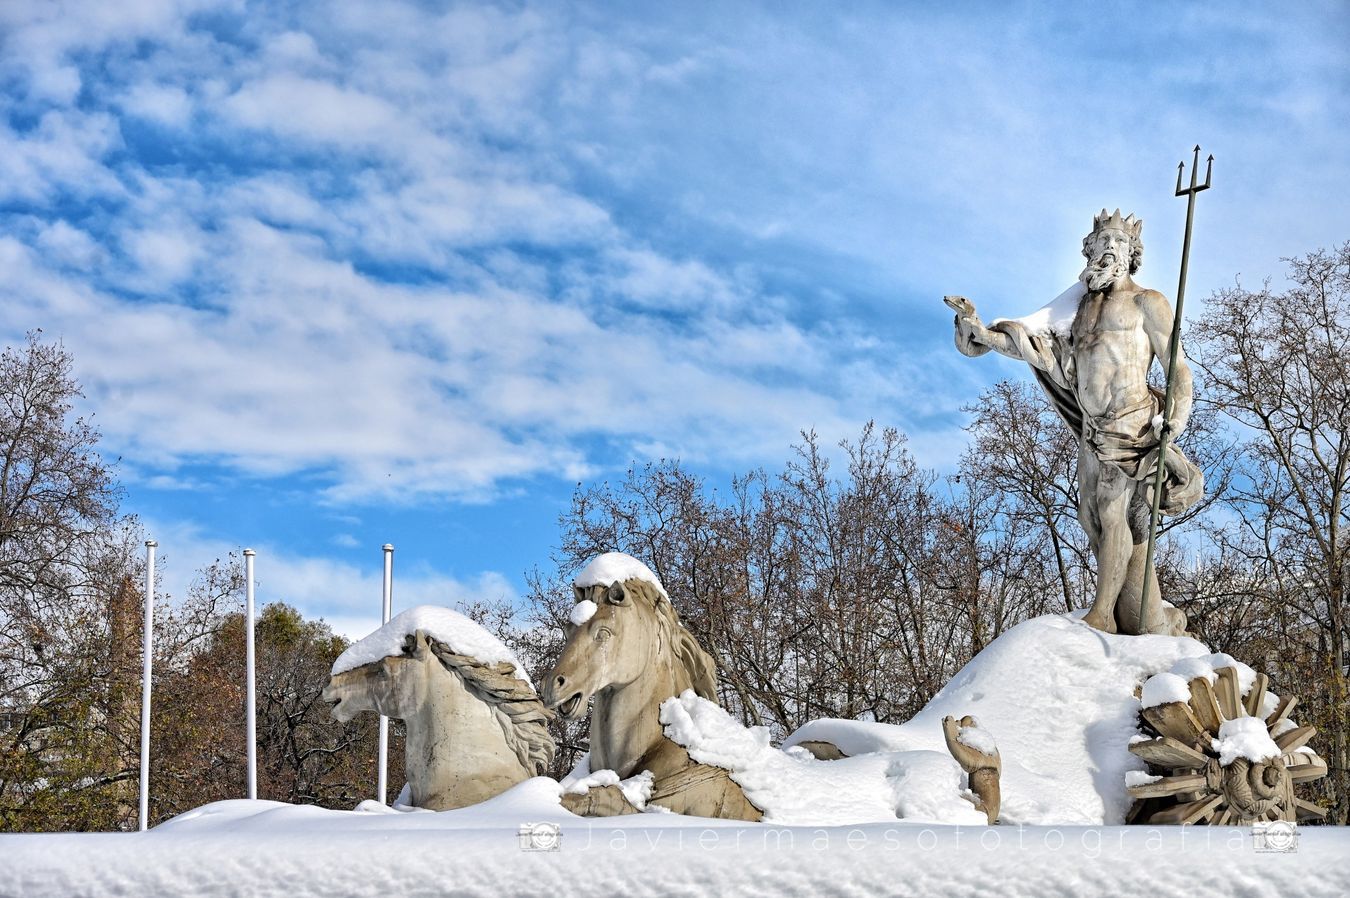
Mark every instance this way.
x=251 y=703
x=147 y=649
x=1173 y=350
x=383 y=787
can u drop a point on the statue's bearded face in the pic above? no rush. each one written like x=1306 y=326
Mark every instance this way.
x=1109 y=252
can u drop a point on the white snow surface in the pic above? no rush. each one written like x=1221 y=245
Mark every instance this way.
x=1164 y=689
x=266 y=849
x=916 y=786
x=978 y=738
x=1055 y=316
x=581 y=612
x=1245 y=737
x=1209 y=665
x=1059 y=699
x=615 y=567
x=464 y=636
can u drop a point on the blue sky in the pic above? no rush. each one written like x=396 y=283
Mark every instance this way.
x=342 y=273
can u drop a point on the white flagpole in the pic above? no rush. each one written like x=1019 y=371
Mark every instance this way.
x=147 y=648
x=251 y=702
x=382 y=788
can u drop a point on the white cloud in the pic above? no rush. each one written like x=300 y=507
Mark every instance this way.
x=348 y=596
x=165 y=256
x=66 y=245
x=412 y=253
x=314 y=109
x=165 y=104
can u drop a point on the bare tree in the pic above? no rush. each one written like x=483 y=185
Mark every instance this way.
x=1278 y=366
x=65 y=562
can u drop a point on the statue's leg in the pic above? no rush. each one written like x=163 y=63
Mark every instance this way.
x=1088 y=469
x=1130 y=600
x=1114 y=544
x=701 y=790
x=1163 y=618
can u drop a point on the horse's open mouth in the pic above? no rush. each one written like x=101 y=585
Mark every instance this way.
x=569 y=708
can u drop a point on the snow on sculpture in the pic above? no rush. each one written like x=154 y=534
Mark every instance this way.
x=1061 y=700
x=475 y=726
x=1221 y=748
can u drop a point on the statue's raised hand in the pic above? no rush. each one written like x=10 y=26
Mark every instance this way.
x=962 y=306
x=972 y=337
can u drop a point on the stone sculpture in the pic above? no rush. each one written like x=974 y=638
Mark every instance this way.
x=629 y=652
x=474 y=729
x=1223 y=758
x=978 y=756
x=1091 y=351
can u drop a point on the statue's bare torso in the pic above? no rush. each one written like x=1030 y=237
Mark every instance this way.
x=1109 y=338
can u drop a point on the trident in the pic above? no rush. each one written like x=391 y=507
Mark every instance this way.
x=1172 y=353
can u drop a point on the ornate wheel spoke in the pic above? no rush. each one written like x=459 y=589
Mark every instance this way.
x=1192 y=740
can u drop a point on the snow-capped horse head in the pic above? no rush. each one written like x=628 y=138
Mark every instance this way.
x=474 y=728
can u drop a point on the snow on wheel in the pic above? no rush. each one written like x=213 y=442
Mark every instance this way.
x=1219 y=754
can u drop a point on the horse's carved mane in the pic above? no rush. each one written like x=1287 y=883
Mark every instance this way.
x=697 y=663
x=513 y=702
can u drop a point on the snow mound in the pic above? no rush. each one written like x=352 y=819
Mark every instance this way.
x=1059 y=699
x=616 y=567
x=463 y=636
x=915 y=786
x=1055 y=316
x=1245 y=737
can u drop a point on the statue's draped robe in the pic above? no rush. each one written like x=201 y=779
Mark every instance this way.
x=1126 y=441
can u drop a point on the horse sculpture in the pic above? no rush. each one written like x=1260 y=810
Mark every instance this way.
x=474 y=729
x=627 y=650
x=631 y=654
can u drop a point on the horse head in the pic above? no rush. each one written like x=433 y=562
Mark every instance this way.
x=619 y=634
x=395 y=686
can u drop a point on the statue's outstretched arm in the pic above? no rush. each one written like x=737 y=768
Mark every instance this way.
x=1158 y=324
x=972 y=337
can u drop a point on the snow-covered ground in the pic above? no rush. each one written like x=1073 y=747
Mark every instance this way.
x=241 y=848
x=1058 y=698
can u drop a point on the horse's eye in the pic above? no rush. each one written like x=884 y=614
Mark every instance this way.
x=603 y=634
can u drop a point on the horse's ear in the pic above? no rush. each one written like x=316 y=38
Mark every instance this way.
x=617 y=594
x=421 y=645
x=578 y=593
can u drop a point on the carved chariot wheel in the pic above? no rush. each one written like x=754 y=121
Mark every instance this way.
x=1191 y=784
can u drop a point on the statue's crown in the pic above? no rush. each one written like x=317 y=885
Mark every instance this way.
x=1129 y=224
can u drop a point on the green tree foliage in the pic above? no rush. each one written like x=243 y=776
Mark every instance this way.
x=66 y=560
x=304 y=755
